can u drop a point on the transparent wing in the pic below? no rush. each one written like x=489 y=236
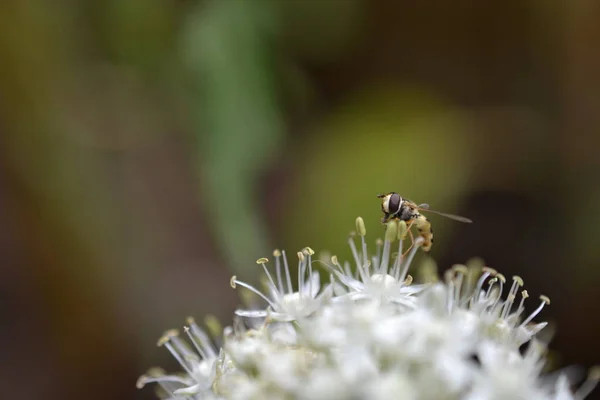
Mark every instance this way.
x=425 y=207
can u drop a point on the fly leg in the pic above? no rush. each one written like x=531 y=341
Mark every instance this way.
x=412 y=238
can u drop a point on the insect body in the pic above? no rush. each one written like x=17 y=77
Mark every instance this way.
x=395 y=207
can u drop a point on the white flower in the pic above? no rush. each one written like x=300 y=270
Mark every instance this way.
x=379 y=276
x=198 y=365
x=371 y=334
x=285 y=304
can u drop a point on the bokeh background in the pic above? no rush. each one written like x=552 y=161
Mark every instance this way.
x=152 y=148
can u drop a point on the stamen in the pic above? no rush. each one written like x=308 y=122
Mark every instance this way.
x=461 y=271
x=404 y=271
x=198 y=347
x=379 y=245
x=199 y=339
x=502 y=281
x=545 y=300
x=353 y=249
x=301 y=260
x=263 y=261
x=590 y=383
x=512 y=295
x=310 y=281
x=287 y=273
x=157 y=375
x=398 y=261
x=449 y=279
x=390 y=235
x=348 y=270
x=507 y=305
x=233 y=282
x=394 y=257
x=277 y=255
x=391 y=232
x=384 y=258
x=402 y=230
x=360 y=227
x=478 y=288
x=166 y=341
x=363 y=273
x=365 y=254
x=491 y=284
x=334 y=261
x=524 y=296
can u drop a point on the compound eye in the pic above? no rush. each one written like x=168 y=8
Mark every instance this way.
x=394 y=204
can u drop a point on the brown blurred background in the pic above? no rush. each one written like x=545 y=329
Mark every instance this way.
x=152 y=148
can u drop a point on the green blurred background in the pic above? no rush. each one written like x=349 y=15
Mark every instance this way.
x=152 y=148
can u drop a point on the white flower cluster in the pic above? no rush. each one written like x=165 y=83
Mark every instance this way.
x=368 y=332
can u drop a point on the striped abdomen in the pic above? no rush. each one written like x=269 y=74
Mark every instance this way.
x=424 y=228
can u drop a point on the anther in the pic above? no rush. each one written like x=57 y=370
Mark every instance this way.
x=545 y=300
x=391 y=232
x=262 y=260
x=308 y=251
x=300 y=256
x=276 y=253
x=232 y=282
x=402 y=230
x=171 y=333
x=408 y=280
x=519 y=280
x=162 y=340
x=360 y=227
x=334 y=260
x=142 y=380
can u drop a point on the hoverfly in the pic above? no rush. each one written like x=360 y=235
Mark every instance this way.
x=394 y=206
